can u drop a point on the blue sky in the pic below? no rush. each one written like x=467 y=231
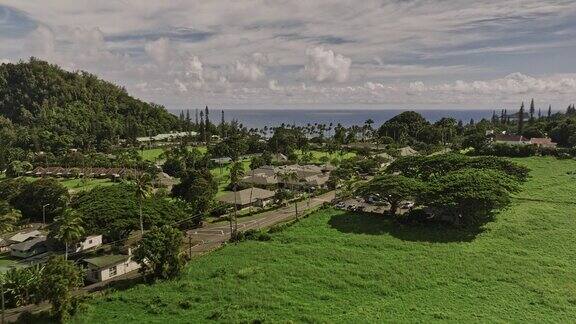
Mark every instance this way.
x=389 y=53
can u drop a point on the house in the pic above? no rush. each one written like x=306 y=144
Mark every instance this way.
x=407 y=151
x=248 y=197
x=29 y=248
x=279 y=157
x=164 y=180
x=544 y=142
x=222 y=160
x=261 y=179
x=24 y=236
x=88 y=243
x=107 y=267
x=509 y=139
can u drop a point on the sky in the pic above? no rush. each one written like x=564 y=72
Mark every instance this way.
x=263 y=53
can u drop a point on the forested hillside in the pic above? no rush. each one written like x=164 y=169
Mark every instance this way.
x=47 y=108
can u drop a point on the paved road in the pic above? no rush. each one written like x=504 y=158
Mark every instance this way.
x=212 y=236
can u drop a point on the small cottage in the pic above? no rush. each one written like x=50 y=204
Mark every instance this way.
x=107 y=267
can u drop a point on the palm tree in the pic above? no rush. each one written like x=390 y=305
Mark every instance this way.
x=143 y=190
x=236 y=173
x=290 y=177
x=69 y=228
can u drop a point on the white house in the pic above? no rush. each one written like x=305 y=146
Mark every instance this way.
x=107 y=267
x=89 y=243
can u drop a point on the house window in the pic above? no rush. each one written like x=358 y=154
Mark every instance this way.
x=89 y=241
x=112 y=271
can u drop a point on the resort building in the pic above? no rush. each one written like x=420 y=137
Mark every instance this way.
x=310 y=176
x=168 y=137
x=543 y=142
x=248 y=197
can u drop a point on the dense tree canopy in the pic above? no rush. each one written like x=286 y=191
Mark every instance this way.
x=114 y=211
x=198 y=188
x=47 y=108
x=469 y=196
x=46 y=195
x=393 y=189
x=159 y=251
x=429 y=167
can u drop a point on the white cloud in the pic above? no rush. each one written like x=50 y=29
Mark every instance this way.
x=261 y=51
x=159 y=50
x=325 y=65
x=41 y=43
x=247 y=71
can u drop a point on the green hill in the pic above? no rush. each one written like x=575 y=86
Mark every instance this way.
x=51 y=109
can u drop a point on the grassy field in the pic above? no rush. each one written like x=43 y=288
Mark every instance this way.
x=340 y=267
x=153 y=154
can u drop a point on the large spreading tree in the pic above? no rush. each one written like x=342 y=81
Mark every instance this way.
x=393 y=189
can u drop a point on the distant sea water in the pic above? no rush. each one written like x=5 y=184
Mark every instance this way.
x=259 y=118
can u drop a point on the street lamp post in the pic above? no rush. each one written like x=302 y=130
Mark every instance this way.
x=44 y=214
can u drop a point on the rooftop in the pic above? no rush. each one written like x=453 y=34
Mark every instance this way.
x=243 y=196
x=107 y=260
x=27 y=245
x=23 y=236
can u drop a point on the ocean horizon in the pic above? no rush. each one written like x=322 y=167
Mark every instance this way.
x=258 y=118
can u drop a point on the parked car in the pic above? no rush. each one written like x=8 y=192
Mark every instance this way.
x=408 y=205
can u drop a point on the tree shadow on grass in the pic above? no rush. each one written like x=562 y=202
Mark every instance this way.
x=376 y=224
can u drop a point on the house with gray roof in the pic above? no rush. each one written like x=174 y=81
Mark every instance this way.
x=23 y=236
x=248 y=197
x=29 y=248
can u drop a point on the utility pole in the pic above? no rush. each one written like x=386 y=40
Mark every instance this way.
x=44 y=213
x=2 y=293
x=190 y=246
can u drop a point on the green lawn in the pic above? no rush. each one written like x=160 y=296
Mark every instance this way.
x=340 y=267
x=6 y=262
x=79 y=184
x=316 y=155
x=221 y=175
x=153 y=154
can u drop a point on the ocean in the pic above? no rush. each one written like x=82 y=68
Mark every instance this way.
x=259 y=118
